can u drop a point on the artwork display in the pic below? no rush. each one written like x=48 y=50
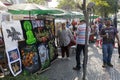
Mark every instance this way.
x=16 y=67
x=28 y=33
x=44 y=55
x=14 y=61
x=30 y=58
x=12 y=33
x=29 y=44
x=49 y=23
x=13 y=55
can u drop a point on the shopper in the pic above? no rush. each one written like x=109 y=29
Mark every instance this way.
x=80 y=41
x=108 y=35
x=64 y=35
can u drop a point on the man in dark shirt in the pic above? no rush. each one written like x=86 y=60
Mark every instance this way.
x=108 y=34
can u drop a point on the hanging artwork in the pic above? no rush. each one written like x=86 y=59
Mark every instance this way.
x=12 y=33
x=52 y=50
x=28 y=33
x=14 y=61
x=49 y=24
x=13 y=55
x=44 y=55
x=30 y=58
x=40 y=32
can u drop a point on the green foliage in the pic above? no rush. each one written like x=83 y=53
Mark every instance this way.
x=67 y=4
x=105 y=7
x=25 y=77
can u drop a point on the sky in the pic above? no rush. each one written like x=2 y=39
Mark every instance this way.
x=53 y=3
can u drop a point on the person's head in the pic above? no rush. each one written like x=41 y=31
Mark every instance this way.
x=63 y=26
x=107 y=23
x=82 y=21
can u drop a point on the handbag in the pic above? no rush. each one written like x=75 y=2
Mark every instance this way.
x=72 y=43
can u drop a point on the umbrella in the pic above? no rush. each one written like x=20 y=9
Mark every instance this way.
x=2 y=6
x=30 y=8
x=68 y=14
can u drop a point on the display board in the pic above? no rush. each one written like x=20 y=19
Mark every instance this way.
x=44 y=55
x=12 y=33
x=28 y=32
x=42 y=36
x=29 y=50
x=49 y=24
x=30 y=58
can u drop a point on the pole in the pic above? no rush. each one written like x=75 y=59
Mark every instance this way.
x=86 y=40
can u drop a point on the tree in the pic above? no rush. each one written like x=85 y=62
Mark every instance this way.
x=105 y=7
x=67 y=4
x=42 y=2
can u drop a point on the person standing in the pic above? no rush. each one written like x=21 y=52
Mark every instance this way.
x=64 y=35
x=108 y=35
x=80 y=41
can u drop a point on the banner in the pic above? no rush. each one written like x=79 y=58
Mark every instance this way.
x=12 y=33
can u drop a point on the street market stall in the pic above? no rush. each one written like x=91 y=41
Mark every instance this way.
x=33 y=44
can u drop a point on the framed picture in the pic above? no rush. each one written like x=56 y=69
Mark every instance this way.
x=34 y=24
x=44 y=55
x=13 y=55
x=30 y=58
x=15 y=68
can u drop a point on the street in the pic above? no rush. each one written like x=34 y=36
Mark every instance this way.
x=62 y=69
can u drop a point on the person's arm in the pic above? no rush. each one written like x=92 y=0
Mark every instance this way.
x=118 y=39
x=102 y=33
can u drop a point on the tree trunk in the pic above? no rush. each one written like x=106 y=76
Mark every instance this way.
x=85 y=12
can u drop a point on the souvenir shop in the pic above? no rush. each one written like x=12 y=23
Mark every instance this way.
x=27 y=44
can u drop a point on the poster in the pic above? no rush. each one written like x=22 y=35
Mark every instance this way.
x=41 y=33
x=52 y=50
x=12 y=33
x=14 y=61
x=44 y=55
x=30 y=58
x=28 y=32
x=49 y=24
x=13 y=55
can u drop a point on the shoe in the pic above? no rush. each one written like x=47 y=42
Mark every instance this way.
x=104 y=65
x=76 y=68
x=2 y=75
x=110 y=65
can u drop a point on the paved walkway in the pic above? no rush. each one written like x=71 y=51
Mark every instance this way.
x=62 y=69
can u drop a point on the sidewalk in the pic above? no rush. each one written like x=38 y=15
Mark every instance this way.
x=62 y=69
